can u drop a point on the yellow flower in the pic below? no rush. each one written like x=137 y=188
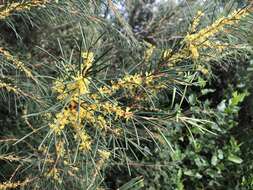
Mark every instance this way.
x=60 y=150
x=167 y=53
x=11 y=88
x=88 y=59
x=128 y=114
x=80 y=84
x=85 y=142
x=101 y=122
x=118 y=131
x=54 y=173
x=60 y=121
x=202 y=69
x=129 y=82
x=104 y=154
x=113 y=109
x=194 y=51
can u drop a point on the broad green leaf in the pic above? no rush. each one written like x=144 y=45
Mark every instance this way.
x=235 y=159
x=220 y=154
x=222 y=106
x=214 y=160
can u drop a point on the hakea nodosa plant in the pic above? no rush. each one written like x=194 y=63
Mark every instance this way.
x=85 y=105
x=89 y=105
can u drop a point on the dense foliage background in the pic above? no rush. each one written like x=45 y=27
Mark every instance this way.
x=145 y=94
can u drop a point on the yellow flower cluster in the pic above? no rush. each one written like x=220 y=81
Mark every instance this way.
x=13 y=185
x=9 y=87
x=176 y=57
x=98 y=104
x=18 y=64
x=14 y=89
x=86 y=112
x=128 y=82
x=117 y=110
x=72 y=117
x=59 y=87
x=149 y=52
x=60 y=121
x=196 y=21
x=54 y=173
x=202 y=69
x=20 y=6
x=83 y=137
x=60 y=150
x=197 y=40
x=102 y=122
x=167 y=53
x=194 y=51
x=216 y=27
x=104 y=154
x=79 y=111
x=79 y=85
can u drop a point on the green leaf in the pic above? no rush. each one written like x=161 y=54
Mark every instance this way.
x=202 y=82
x=214 y=160
x=134 y=184
x=235 y=159
x=237 y=98
x=222 y=106
x=192 y=99
x=220 y=154
x=206 y=91
x=188 y=173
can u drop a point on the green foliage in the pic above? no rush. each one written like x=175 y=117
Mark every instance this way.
x=199 y=161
